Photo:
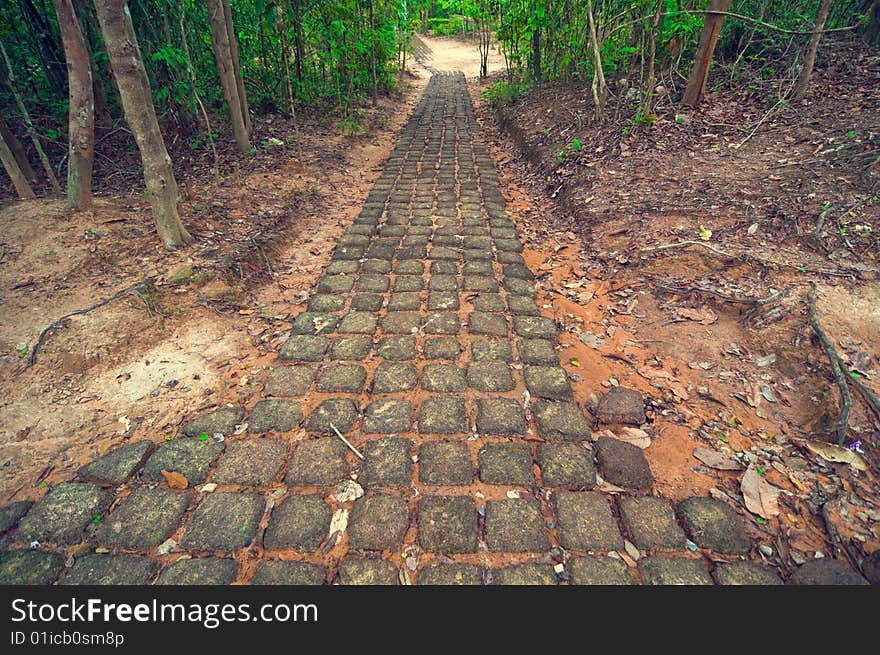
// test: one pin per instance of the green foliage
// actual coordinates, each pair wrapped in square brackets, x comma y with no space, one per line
[564,153]
[504,92]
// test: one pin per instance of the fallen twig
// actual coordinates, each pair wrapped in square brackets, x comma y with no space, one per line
[834,359]
[734,299]
[680,244]
[346,442]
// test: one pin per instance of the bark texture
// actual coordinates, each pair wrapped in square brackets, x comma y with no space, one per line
[800,89]
[696,86]
[226,70]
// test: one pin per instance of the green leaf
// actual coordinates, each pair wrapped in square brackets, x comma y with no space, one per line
[23,352]
[204,436]
[760,521]
[759,470]
[96,518]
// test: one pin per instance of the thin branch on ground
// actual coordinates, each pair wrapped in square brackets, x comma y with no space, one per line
[773,297]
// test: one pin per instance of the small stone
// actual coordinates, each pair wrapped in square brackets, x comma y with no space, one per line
[274,414]
[621,405]
[766,550]
[623,464]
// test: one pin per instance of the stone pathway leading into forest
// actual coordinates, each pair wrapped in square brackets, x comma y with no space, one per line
[424,348]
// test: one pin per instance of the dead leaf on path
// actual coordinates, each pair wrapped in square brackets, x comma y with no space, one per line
[716,460]
[703,315]
[761,497]
[175,480]
[245,312]
[834,453]
[590,339]
[634,436]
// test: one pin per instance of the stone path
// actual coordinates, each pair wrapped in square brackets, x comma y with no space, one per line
[424,347]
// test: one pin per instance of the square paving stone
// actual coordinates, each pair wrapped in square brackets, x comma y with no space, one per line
[442,323]
[367,302]
[388,415]
[442,300]
[537,351]
[378,522]
[368,572]
[376,266]
[283,572]
[318,461]
[550,382]
[489,302]
[348,252]
[408,283]
[251,462]
[117,466]
[304,348]
[447,524]
[517,270]
[478,268]
[442,348]
[586,522]
[351,348]
[341,412]
[515,525]
[494,349]
[401,323]
[392,231]
[404,300]
[381,250]
[145,519]
[190,457]
[512,245]
[658,570]
[443,283]
[651,523]
[517,287]
[289,381]
[342,378]
[559,421]
[523,305]
[825,571]
[566,465]
[212,571]
[298,523]
[623,464]
[222,421]
[387,461]
[444,252]
[397,348]
[500,416]
[480,283]
[412,252]
[483,323]
[391,377]
[409,267]
[451,575]
[714,524]
[98,569]
[444,268]
[12,513]
[506,463]
[335,283]
[29,567]
[224,521]
[313,323]
[274,414]
[490,375]
[446,378]
[358,323]
[534,327]
[445,463]
[476,254]
[507,257]
[443,415]
[598,570]
[524,574]
[744,573]
[621,405]
[372,283]
[62,515]
[341,267]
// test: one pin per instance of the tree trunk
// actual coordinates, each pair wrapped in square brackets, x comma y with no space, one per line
[696,86]
[32,132]
[223,57]
[600,89]
[297,40]
[22,188]
[800,89]
[18,151]
[872,31]
[536,55]
[81,113]
[137,105]
[236,66]
[90,30]
[651,75]
[192,78]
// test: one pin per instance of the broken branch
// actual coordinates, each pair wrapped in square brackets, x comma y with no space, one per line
[346,442]
[834,359]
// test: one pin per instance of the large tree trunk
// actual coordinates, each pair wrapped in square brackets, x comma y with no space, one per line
[18,150]
[81,113]
[137,105]
[696,86]
[22,188]
[800,89]
[236,66]
[223,57]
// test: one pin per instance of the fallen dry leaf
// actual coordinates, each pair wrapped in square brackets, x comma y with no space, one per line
[715,460]
[834,453]
[703,315]
[175,480]
[633,436]
[761,497]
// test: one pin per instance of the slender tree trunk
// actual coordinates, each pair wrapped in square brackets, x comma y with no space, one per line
[651,75]
[223,57]
[600,89]
[236,66]
[22,187]
[800,89]
[87,21]
[81,113]
[32,132]
[195,90]
[536,55]
[18,151]
[872,31]
[696,86]
[373,75]
[297,40]
[137,105]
